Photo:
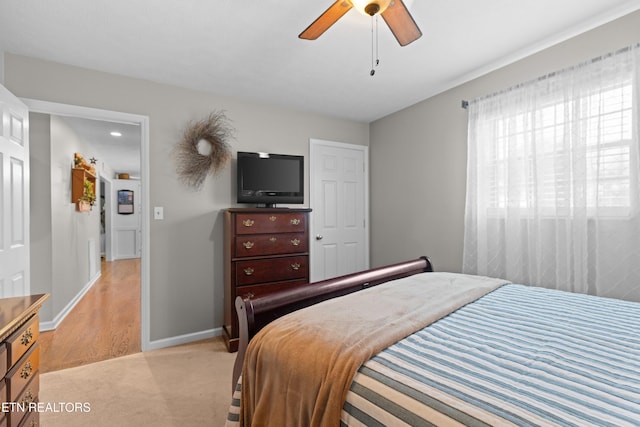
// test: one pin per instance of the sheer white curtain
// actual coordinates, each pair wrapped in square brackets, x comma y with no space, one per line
[553,187]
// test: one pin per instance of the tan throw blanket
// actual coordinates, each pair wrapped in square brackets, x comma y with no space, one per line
[299,368]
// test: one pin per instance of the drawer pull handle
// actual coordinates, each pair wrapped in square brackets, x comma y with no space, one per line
[26,371]
[28,397]
[272,218]
[248,245]
[295,221]
[248,222]
[295,242]
[27,337]
[295,266]
[248,271]
[273,239]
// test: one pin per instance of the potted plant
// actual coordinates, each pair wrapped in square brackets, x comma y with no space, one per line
[88,198]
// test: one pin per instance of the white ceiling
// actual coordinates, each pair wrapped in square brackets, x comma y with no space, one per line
[250,48]
[121,153]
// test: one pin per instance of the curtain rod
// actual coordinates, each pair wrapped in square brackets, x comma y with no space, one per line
[465,103]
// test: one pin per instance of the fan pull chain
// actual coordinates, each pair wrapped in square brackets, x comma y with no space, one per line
[377,32]
[374,45]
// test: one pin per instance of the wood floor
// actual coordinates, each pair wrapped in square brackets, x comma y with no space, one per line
[103,325]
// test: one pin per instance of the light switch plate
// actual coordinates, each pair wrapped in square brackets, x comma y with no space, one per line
[158,212]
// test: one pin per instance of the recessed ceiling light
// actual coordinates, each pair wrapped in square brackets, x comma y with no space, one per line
[114,133]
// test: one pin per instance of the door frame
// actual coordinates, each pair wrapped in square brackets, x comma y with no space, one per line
[108,231]
[313,143]
[59,109]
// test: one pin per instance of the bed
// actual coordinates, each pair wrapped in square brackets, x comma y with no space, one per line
[403,345]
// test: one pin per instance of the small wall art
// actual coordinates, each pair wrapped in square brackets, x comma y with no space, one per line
[125,202]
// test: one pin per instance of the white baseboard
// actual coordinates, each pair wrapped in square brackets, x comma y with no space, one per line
[53,324]
[183,339]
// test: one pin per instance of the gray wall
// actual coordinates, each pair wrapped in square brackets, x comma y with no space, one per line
[60,236]
[40,200]
[418,155]
[186,247]
[71,231]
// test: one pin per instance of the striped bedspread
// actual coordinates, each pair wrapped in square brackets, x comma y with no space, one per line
[518,356]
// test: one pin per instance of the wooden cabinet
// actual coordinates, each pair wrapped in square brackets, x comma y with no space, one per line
[78,176]
[265,250]
[19,358]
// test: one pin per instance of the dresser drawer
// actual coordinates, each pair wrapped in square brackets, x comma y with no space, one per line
[28,395]
[22,339]
[271,244]
[20,375]
[3,393]
[31,420]
[271,270]
[3,360]
[276,222]
[30,392]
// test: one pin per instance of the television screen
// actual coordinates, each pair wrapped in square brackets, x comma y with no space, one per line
[268,179]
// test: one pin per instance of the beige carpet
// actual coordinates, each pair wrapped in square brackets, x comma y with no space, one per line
[188,385]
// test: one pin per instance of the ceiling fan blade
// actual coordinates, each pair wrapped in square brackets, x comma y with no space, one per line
[327,19]
[401,23]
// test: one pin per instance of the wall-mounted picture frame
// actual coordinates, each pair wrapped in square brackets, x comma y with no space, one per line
[125,202]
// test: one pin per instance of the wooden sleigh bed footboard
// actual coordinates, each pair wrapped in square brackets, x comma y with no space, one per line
[256,312]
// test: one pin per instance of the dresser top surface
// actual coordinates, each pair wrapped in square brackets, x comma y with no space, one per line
[14,310]
[268,210]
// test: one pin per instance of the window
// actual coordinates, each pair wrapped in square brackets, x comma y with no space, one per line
[590,135]
[553,194]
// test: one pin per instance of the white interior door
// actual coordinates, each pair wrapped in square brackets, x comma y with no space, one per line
[14,196]
[339,199]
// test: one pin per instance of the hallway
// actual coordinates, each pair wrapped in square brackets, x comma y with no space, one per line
[103,325]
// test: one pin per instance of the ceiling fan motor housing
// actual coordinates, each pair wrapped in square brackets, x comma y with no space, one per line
[372,8]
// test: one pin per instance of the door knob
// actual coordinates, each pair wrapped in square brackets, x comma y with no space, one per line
[318,236]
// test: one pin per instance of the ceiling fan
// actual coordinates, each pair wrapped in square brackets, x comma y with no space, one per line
[394,13]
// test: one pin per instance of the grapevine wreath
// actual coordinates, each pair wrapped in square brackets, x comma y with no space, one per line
[204,149]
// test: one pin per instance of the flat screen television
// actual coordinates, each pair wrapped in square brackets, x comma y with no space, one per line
[269,179]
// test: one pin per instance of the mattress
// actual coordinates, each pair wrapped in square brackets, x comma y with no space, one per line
[518,356]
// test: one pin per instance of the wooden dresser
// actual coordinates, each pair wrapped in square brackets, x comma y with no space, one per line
[265,250]
[19,358]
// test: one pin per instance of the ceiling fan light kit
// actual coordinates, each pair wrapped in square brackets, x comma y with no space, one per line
[368,7]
